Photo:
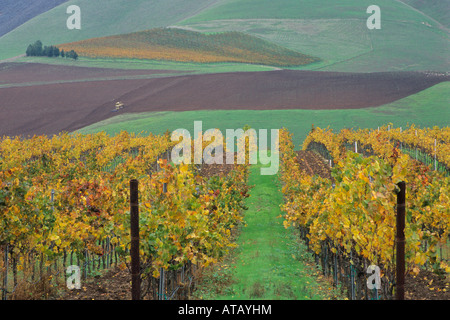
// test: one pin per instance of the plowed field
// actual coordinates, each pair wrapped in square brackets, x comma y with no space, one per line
[73,97]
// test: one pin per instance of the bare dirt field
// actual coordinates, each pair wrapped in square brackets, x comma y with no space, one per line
[68,106]
[22,73]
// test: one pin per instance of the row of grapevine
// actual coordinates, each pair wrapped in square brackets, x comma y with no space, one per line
[353,216]
[70,193]
[432,142]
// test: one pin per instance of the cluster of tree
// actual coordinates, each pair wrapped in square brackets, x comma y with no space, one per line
[38,50]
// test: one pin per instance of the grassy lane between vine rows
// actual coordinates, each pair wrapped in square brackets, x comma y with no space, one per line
[270,262]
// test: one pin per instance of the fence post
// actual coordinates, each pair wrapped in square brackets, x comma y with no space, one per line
[5,279]
[435,151]
[161,284]
[400,242]
[134,232]
[161,290]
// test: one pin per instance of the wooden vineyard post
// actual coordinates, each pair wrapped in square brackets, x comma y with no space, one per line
[400,242]
[5,278]
[134,232]
[162,288]
[435,151]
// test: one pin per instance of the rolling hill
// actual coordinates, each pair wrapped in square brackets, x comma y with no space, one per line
[439,10]
[175,44]
[98,19]
[337,33]
[409,40]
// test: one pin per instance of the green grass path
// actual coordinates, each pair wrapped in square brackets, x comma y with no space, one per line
[270,263]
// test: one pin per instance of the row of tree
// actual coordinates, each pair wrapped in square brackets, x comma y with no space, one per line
[38,50]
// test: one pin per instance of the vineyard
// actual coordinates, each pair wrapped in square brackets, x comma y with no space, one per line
[347,214]
[188,46]
[66,201]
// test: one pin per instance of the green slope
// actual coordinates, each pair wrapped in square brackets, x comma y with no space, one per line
[304,9]
[98,19]
[426,109]
[439,10]
[337,32]
[334,31]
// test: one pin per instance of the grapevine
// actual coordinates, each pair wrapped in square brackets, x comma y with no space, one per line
[71,192]
[356,214]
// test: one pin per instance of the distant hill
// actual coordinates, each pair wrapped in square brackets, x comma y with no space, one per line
[188,46]
[305,9]
[13,13]
[436,9]
[98,19]
[336,31]
[412,37]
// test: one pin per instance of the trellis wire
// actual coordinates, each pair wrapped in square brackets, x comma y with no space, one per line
[347,271]
[89,264]
[108,257]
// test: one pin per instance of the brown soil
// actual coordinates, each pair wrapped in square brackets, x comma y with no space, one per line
[116,285]
[28,73]
[68,106]
[210,170]
[113,285]
[427,286]
[313,163]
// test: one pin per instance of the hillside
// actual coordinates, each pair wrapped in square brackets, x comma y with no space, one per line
[305,9]
[188,46]
[439,10]
[13,13]
[408,40]
[98,19]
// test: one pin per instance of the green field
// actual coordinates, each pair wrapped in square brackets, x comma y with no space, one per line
[189,67]
[439,10]
[425,109]
[305,9]
[334,32]
[408,40]
[98,19]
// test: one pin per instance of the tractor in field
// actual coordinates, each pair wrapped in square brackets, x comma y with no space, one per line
[119,105]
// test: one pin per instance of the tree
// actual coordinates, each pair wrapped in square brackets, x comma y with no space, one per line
[56,52]
[72,54]
[37,48]
[48,51]
[30,51]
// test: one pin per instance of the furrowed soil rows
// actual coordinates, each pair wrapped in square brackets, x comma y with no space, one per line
[313,163]
[22,73]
